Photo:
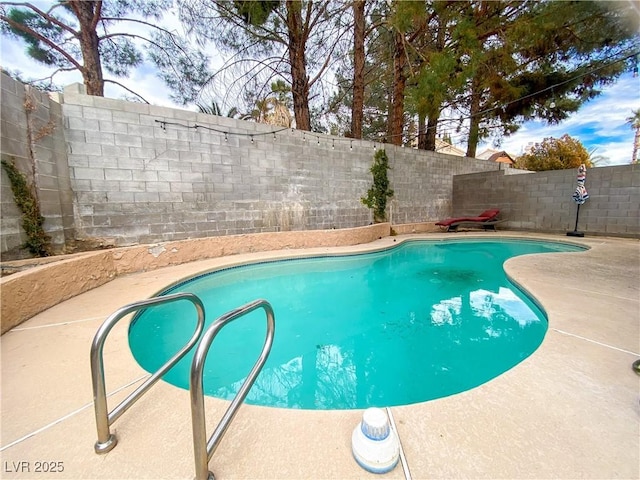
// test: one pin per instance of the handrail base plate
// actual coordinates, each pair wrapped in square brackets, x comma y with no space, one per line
[210,476]
[104,447]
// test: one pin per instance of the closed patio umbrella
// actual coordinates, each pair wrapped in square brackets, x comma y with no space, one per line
[579,196]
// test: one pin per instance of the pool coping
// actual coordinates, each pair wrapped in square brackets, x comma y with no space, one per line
[569,410]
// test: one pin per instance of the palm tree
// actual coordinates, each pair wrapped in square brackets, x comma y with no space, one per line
[274,109]
[272,112]
[634,121]
[597,160]
[214,109]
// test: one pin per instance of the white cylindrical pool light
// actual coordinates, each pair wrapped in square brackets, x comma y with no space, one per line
[374,445]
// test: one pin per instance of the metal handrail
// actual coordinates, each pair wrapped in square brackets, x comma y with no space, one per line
[104,418]
[203,449]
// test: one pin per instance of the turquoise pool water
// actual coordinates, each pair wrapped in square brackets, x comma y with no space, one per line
[419,321]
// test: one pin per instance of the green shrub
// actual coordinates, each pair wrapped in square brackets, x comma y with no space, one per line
[37,240]
[377,195]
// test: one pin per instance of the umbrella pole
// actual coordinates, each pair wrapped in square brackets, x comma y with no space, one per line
[575,232]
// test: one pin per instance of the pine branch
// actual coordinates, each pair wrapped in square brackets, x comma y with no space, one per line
[50,77]
[54,46]
[128,90]
[45,15]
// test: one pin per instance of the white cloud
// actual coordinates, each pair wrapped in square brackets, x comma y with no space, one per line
[600,124]
[616,153]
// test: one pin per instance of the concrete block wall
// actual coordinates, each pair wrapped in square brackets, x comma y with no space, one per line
[135,173]
[15,147]
[32,136]
[143,174]
[542,201]
[422,183]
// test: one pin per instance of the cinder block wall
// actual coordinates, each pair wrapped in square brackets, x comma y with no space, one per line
[32,136]
[136,173]
[423,182]
[143,174]
[542,201]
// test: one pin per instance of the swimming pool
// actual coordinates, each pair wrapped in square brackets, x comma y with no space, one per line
[422,320]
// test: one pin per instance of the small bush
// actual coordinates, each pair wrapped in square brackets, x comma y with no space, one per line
[377,195]
[37,240]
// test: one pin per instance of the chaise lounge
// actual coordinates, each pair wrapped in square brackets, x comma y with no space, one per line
[486,220]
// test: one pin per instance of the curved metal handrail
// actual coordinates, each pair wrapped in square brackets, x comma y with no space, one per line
[104,418]
[203,449]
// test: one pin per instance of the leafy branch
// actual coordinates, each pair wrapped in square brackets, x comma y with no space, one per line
[379,192]
[37,240]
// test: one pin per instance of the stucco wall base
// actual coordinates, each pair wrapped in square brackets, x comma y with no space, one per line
[30,292]
[406,228]
[27,293]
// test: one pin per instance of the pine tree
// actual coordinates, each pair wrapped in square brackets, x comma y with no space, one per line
[80,35]
[293,40]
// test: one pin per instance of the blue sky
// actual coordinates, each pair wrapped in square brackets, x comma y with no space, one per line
[600,124]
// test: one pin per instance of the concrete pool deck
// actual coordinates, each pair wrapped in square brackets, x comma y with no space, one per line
[570,410]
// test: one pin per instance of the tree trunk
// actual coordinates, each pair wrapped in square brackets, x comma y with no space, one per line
[358,68]
[474,121]
[636,146]
[434,109]
[422,131]
[299,80]
[396,120]
[432,124]
[88,12]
